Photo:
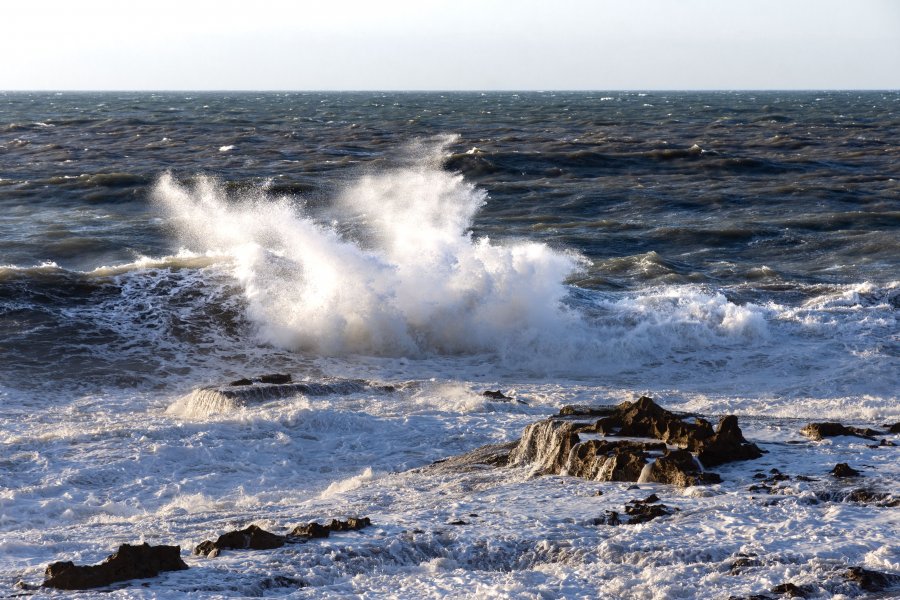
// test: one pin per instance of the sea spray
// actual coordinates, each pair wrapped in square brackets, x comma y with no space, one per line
[410,279]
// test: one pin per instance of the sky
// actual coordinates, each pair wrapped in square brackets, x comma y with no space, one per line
[449,44]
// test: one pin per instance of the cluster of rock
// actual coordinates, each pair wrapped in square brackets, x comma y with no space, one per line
[256,538]
[129,562]
[143,561]
[679,450]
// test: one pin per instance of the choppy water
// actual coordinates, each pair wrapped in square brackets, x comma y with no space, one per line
[731,252]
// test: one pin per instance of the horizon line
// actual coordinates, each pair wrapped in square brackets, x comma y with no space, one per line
[434,90]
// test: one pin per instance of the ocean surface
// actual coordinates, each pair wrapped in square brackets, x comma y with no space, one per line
[726,253]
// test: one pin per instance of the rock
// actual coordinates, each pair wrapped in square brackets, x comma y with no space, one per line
[726,445]
[251,538]
[678,467]
[743,562]
[605,460]
[275,378]
[790,590]
[546,445]
[895,428]
[129,562]
[819,431]
[641,512]
[315,530]
[871,581]
[492,455]
[861,496]
[205,548]
[351,524]
[311,530]
[581,410]
[645,418]
[241,382]
[884,443]
[498,395]
[844,470]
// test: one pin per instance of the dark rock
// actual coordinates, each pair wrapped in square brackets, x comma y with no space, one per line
[276,378]
[883,443]
[251,538]
[861,496]
[844,470]
[790,590]
[281,581]
[743,562]
[895,428]
[726,445]
[645,418]
[240,382]
[610,517]
[311,530]
[351,524]
[871,581]
[641,513]
[580,410]
[129,562]
[205,548]
[678,467]
[818,431]
[458,522]
[605,460]
[498,395]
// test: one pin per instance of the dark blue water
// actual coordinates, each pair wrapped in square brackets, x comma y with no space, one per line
[764,198]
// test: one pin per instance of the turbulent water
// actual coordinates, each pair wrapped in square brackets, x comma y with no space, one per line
[725,252]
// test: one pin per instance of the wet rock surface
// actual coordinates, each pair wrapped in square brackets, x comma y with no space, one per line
[128,562]
[575,444]
[819,431]
[635,512]
[844,470]
[255,538]
[872,581]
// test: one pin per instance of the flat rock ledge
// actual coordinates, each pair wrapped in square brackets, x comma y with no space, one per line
[670,448]
[128,562]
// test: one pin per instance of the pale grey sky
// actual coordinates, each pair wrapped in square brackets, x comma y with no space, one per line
[449,44]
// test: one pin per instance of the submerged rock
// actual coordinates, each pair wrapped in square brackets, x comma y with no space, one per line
[895,428]
[498,395]
[819,431]
[790,590]
[128,562]
[844,470]
[872,581]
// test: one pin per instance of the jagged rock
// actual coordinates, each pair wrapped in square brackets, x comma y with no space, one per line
[790,590]
[744,561]
[128,562]
[872,581]
[251,538]
[315,530]
[645,418]
[605,460]
[844,470]
[351,524]
[311,530]
[726,445]
[818,431]
[645,510]
[678,467]
[581,410]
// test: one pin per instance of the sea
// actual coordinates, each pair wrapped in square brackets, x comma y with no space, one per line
[721,252]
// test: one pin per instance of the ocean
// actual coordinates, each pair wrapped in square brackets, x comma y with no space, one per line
[722,252]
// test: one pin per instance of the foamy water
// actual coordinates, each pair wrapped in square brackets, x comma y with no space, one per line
[417,278]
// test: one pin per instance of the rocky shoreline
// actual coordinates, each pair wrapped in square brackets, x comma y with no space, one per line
[636,442]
